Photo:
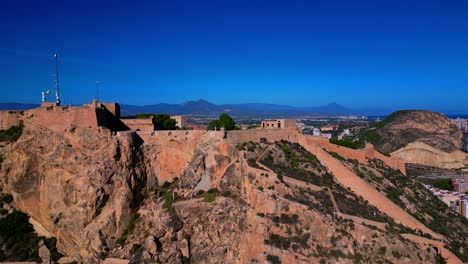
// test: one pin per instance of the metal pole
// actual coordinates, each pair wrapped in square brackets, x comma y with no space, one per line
[57,92]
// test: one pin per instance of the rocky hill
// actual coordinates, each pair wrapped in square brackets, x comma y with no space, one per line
[196,197]
[421,137]
[404,127]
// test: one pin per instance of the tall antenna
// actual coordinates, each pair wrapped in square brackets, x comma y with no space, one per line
[97,91]
[57,91]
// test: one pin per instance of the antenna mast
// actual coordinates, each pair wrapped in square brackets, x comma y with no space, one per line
[57,91]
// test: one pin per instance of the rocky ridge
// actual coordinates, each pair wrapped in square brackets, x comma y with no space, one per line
[421,137]
[192,196]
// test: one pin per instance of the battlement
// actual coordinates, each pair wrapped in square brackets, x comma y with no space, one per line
[61,118]
[262,135]
[139,124]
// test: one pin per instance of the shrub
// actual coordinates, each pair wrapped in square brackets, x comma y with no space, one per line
[168,197]
[286,219]
[135,248]
[337,156]
[209,197]
[7,198]
[164,122]
[445,184]
[278,241]
[396,254]
[12,134]
[213,191]
[131,225]
[240,147]
[273,259]
[382,250]
[20,240]
[225,121]
[51,244]
[347,143]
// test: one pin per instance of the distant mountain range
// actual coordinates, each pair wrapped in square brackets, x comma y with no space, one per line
[203,108]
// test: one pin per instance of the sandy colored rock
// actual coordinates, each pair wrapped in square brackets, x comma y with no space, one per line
[421,153]
[130,197]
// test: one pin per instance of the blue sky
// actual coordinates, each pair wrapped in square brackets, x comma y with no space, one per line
[380,53]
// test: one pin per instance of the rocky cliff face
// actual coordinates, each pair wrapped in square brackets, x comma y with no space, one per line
[192,197]
[79,186]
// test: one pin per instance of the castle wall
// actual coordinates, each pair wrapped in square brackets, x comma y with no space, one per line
[10,118]
[113,108]
[59,118]
[139,124]
[161,136]
[358,154]
[289,123]
[257,135]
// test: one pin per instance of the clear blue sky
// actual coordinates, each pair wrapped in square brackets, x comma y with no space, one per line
[377,53]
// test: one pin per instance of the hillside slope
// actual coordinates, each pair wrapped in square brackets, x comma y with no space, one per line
[193,197]
[422,137]
[403,127]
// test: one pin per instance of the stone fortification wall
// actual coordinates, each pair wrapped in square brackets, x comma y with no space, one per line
[113,108]
[59,118]
[56,118]
[141,124]
[162,136]
[272,135]
[360,155]
[10,118]
[257,135]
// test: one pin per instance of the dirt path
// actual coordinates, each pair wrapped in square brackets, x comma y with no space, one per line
[185,202]
[335,206]
[302,184]
[361,220]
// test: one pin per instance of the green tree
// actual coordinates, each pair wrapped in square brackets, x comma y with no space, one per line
[225,121]
[164,122]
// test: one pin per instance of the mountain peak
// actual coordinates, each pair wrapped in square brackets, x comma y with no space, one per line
[197,102]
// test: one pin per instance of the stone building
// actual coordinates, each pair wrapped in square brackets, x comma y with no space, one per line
[278,123]
[139,124]
[181,121]
[61,118]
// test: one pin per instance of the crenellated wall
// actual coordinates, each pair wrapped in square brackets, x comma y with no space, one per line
[139,124]
[61,118]
[56,118]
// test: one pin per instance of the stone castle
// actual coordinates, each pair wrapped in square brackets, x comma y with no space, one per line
[106,116]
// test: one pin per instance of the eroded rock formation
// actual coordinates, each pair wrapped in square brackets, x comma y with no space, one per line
[195,196]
